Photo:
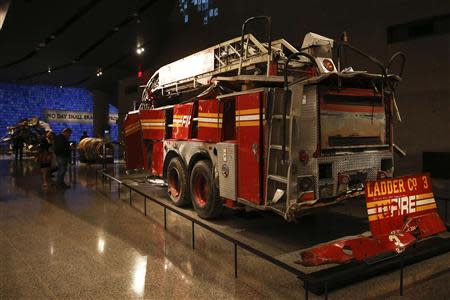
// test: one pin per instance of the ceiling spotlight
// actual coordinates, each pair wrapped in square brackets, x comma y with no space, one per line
[140,50]
[138,19]
[49,69]
[99,72]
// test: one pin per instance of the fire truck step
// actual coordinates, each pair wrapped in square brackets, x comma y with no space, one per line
[278,178]
[279,147]
[280,117]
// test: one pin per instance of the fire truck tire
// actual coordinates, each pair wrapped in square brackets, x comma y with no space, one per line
[204,194]
[177,180]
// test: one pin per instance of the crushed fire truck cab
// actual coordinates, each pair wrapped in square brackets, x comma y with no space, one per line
[264,125]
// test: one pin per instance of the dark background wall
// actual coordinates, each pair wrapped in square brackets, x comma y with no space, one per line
[423,96]
[101,112]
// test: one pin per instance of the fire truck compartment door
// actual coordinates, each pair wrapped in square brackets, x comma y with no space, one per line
[249,137]
[134,146]
[226,159]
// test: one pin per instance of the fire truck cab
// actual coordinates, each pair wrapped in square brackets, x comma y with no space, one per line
[264,125]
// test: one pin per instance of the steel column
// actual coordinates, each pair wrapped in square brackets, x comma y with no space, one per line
[193,235]
[165,218]
[401,277]
[305,283]
[235,261]
[145,205]
[130,197]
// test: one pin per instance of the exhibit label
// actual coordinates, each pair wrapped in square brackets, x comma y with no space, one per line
[390,200]
[68,116]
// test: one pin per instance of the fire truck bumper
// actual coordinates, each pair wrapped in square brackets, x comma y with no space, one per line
[298,208]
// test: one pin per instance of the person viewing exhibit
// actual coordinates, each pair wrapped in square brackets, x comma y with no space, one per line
[44,157]
[85,135]
[18,145]
[63,152]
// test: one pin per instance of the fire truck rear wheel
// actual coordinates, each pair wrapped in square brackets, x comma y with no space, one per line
[205,198]
[177,181]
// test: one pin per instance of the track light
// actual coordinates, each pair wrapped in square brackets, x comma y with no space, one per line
[136,16]
[140,50]
[99,72]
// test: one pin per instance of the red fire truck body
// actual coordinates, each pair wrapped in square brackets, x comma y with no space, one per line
[220,140]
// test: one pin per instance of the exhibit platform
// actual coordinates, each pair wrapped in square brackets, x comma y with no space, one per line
[269,236]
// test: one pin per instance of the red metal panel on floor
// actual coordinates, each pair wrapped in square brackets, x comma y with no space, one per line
[209,120]
[182,125]
[134,146]
[248,137]
[153,123]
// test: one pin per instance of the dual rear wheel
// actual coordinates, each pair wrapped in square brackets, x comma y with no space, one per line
[198,188]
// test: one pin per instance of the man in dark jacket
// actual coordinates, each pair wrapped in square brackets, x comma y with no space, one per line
[18,147]
[62,150]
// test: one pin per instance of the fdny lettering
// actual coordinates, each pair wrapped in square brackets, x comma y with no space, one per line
[392,207]
[384,188]
[185,121]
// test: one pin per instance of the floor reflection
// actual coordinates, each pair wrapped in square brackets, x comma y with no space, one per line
[101,245]
[139,273]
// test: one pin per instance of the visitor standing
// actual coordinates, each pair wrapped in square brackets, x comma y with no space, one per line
[62,151]
[18,147]
[51,140]
[44,157]
[85,135]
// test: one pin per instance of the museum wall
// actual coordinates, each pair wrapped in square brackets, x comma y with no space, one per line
[27,101]
[423,96]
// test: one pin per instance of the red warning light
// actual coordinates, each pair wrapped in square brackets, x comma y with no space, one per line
[139,74]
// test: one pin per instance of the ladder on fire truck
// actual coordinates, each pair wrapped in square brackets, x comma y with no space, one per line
[222,59]
[278,171]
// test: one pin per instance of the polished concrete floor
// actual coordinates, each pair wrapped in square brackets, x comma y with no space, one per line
[85,243]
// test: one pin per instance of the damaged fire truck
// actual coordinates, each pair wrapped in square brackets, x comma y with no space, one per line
[246,123]
[267,126]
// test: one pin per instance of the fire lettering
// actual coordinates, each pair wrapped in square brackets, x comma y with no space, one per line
[402,206]
[412,204]
[394,207]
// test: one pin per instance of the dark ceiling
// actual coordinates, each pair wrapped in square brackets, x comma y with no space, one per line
[106,31]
